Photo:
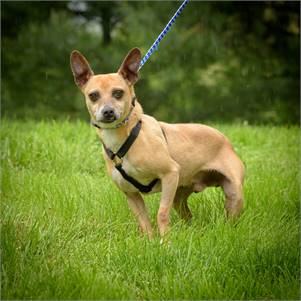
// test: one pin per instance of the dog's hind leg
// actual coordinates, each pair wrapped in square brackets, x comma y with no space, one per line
[180,203]
[232,170]
[234,197]
[136,203]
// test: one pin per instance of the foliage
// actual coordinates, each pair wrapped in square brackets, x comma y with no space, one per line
[67,232]
[229,61]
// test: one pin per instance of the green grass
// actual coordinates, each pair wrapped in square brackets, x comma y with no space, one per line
[67,232]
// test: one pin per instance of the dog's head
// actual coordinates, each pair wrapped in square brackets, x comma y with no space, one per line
[108,96]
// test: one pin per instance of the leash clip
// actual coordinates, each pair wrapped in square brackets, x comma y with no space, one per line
[117,160]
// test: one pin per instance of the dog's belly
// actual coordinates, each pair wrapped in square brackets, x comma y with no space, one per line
[135,172]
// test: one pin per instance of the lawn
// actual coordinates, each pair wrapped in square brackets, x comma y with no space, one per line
[67,232]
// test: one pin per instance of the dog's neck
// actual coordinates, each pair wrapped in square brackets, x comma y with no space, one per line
[113,138]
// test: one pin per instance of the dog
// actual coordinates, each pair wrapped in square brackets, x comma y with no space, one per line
[144,155]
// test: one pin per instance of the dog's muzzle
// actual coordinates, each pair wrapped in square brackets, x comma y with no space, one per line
[107,114]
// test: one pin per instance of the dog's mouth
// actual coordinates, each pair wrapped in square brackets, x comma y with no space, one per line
[108,119]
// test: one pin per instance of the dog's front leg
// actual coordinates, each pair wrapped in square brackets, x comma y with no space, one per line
[139,210]
[169,187]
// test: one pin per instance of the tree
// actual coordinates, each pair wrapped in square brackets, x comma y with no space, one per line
[106,13]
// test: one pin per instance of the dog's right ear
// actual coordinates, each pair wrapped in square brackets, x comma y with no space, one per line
[80,68]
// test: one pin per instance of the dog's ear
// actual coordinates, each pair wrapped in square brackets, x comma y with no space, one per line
[129,67]
[80,68]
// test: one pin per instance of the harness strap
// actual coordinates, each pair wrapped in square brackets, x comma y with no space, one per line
[139,186]
[122,152]
[163,132]
[127,143]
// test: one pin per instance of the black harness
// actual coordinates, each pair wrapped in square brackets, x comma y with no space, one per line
[117,158]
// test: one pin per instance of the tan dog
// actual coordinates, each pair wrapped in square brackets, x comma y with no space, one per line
[185,158]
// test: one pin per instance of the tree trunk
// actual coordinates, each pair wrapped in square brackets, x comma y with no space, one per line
[106,16]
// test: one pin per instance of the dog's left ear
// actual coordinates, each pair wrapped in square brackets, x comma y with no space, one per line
[129,67]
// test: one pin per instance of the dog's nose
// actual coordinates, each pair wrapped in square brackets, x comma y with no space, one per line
[108,112]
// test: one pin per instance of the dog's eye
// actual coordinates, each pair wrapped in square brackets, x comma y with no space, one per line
[118,94]
[94,96]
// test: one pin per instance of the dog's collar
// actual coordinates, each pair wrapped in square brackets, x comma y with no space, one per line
[124,121]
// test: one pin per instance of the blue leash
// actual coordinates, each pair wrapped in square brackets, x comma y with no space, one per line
[162,34]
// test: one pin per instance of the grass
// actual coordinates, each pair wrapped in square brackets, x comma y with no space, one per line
[67,232]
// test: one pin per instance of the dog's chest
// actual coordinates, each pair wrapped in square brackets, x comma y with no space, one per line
[130,165]
[111,141]
[134,171]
